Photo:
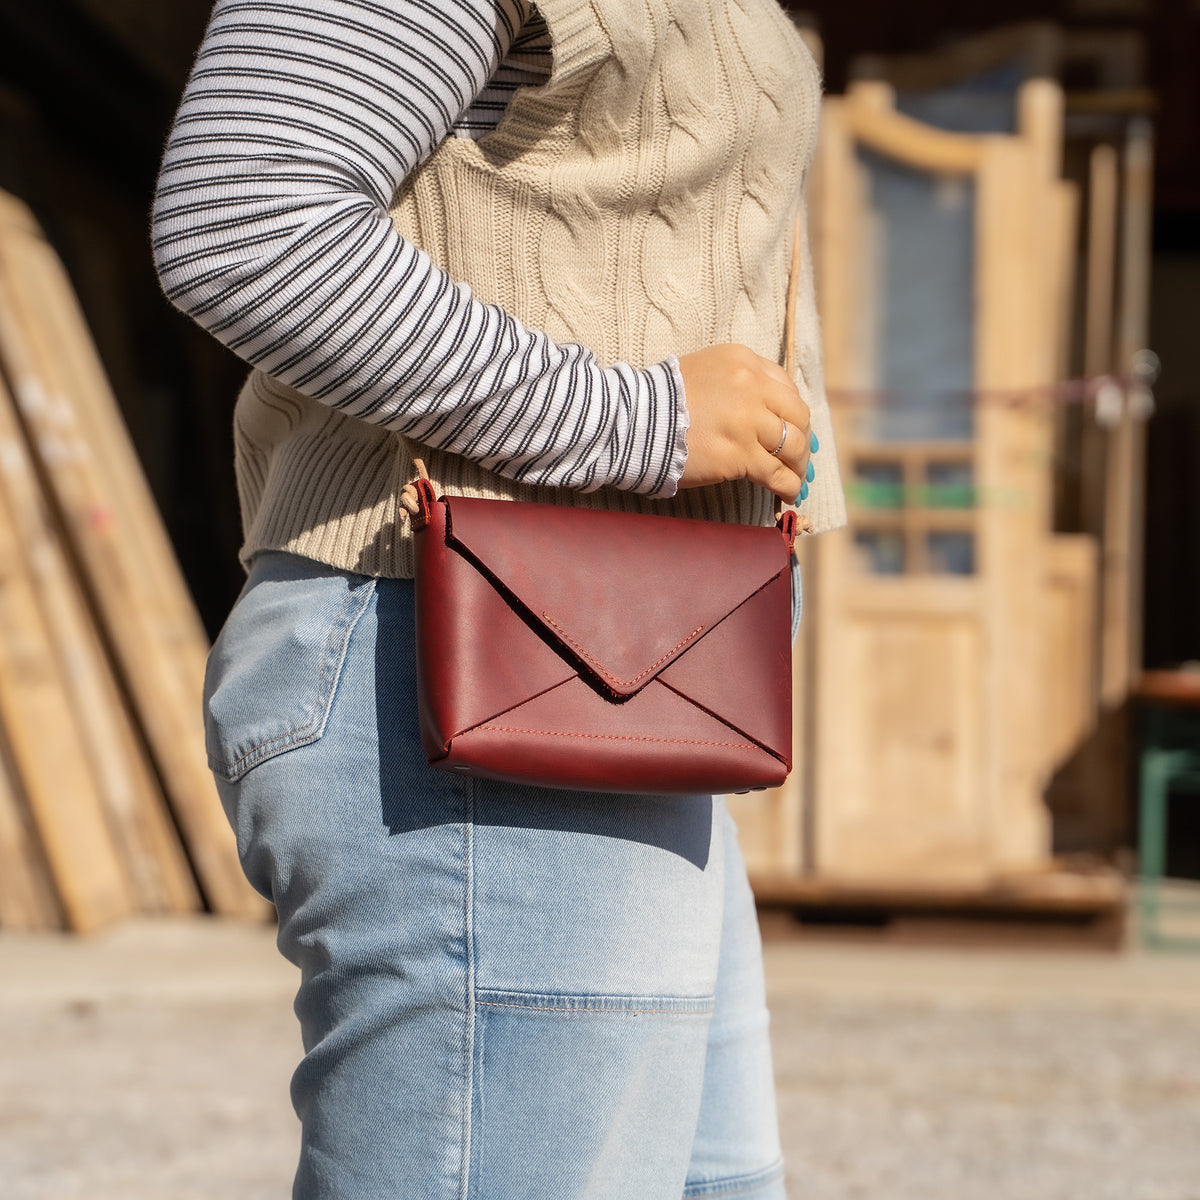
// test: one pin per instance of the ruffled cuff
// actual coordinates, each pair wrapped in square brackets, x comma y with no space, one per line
[668,447]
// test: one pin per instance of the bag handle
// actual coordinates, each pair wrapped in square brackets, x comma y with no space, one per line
[416,499]
[789,345]
[789,312]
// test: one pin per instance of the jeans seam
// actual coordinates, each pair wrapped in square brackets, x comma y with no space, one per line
[468,1097]
[598,1003]
[597,1012]
[736,1185]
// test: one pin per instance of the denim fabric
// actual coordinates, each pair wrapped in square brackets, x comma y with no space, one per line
[506,992]
[797,596]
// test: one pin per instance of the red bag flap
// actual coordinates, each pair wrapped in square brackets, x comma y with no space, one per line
[656,584]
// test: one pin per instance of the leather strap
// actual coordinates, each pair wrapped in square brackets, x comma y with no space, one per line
[789,313]
[789,316]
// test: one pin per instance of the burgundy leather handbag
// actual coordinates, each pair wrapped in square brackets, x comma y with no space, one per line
[607,651]
[574,648]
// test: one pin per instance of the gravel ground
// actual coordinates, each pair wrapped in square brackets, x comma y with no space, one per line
[937,1100]
[153,1062]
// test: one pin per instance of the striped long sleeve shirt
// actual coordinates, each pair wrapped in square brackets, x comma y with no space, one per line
[270,227]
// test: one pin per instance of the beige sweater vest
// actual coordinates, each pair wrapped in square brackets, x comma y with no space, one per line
[641,204]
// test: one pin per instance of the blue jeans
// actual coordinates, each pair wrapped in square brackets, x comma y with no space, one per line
[506,992]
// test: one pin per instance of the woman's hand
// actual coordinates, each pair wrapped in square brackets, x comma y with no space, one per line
[738,403]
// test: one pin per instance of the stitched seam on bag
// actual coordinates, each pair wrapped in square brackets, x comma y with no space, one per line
[618,737]
[766,749]
[504,712]
[566,637]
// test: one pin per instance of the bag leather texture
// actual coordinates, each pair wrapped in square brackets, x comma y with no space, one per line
[605,651]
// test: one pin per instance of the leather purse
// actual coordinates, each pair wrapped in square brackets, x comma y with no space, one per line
[606,651]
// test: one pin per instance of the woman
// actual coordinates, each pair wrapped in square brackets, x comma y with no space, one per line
[549,245]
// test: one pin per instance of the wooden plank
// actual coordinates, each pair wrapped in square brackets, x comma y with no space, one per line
[1061,908]
[133,803]
[1012,341]
[925,451]
[933,597]
[1066,417]
[1125,496]
[27,900]
[49,758]
[1097,335]
[1066,222]
[915,144]
[845,300]
[1068,660]
[1040,128]
[104,542]
[916,522]
[1101,260]
[1052,890]
[47,292]
[1040,125]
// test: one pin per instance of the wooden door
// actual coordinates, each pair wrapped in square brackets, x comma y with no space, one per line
[928,717]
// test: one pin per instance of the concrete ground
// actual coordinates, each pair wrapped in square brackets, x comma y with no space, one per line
[153,1061]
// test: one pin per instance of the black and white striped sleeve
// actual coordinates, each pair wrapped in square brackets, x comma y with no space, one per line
[270,228]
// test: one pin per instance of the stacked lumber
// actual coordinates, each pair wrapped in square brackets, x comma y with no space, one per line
[107,807]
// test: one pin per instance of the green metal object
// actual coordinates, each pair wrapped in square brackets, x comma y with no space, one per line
[1170,760]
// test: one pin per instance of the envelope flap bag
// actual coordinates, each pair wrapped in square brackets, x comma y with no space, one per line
[603,651]
[653,586]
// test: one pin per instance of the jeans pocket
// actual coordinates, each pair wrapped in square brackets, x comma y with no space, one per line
[274,668]
[585,1096]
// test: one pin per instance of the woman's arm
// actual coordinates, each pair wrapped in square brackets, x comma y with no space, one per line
[300,120]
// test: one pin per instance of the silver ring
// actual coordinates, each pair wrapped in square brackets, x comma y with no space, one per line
[782,439]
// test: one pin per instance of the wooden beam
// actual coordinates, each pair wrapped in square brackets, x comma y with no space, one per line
[47,752]
[109,541]
[27,898]
[1125,493]
[911,142]
[133,803]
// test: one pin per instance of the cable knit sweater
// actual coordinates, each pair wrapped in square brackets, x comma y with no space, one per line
[519,310]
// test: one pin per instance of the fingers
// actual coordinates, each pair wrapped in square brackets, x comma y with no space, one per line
[776,476]
[747,420]
[794,454]
[781,396]
[791,446]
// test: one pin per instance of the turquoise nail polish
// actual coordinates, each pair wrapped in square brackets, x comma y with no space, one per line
[813,444]
[811,474]
[803,492]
